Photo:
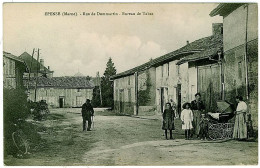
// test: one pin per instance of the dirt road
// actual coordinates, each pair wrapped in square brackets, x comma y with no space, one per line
[123,140]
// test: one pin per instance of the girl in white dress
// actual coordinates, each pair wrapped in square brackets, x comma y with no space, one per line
[186,118]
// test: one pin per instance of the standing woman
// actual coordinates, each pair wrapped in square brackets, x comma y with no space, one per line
[168,120]
[240,127]
[197,107]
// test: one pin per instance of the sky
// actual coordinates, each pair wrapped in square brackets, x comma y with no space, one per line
[71,44]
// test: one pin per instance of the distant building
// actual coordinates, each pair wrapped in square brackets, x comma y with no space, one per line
[240,39]
[62,91]
[35,66]
[13,70]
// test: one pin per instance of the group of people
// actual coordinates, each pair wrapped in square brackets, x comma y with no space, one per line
[192,117]
[195,121]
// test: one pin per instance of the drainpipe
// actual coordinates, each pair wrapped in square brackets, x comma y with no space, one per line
[220,61]
[246,66]
[136,93]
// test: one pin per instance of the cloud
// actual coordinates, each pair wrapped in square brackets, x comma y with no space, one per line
[89,53]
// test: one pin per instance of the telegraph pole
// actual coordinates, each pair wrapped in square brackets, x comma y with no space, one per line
[37,67]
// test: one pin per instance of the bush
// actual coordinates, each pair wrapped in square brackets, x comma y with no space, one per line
[15,109]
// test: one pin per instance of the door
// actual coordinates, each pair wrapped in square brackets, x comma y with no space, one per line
[209,85]
[162,100]
[178,95]
[61,102]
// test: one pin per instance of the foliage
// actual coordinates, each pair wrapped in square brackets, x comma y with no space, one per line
[96,97]
[107,85]
[144,95]
[16,110]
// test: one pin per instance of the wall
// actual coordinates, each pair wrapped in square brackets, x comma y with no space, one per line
[236,68]
[124,94]
[72,97]
[12,73]
[167,79]
[9,73]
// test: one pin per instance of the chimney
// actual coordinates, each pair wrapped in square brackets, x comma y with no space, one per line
[48,67]
[217,29]
[188,42]
[41,64]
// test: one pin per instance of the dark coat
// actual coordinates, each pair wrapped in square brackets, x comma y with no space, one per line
[197,105]
[87,110]
[168,119]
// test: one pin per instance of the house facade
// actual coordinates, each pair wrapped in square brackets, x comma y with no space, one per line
[240,47]
[149,86]
[13,70]
[134,91]
[61,92]
[205,70]
[190,70]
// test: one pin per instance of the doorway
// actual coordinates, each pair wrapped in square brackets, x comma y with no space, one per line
[162,100]
[178,92]
[61,102]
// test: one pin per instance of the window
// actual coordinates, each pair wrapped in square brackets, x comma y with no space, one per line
[78,90]
[129,80]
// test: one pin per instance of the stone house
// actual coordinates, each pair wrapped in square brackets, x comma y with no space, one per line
[134,90]
[205,69]
[240,47]
[34,66]
[60,92]
[13,70]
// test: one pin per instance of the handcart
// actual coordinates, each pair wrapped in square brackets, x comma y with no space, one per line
[220,123]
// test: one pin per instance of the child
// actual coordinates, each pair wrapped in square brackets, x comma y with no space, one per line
[168,120]
[204,127]
[186,118]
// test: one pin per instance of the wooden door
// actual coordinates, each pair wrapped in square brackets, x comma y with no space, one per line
[209,85]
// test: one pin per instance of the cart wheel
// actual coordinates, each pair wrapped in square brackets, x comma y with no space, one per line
[20,141]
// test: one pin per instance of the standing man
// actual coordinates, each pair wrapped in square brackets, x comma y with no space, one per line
[198,108]
[87,111]
[240,127]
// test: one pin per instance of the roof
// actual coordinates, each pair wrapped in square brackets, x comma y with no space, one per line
[33,63]
[224,9]
[194,47]
[214,46]
[13,57]
[68,82]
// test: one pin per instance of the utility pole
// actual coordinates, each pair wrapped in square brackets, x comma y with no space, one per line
[37,67]
[31,66]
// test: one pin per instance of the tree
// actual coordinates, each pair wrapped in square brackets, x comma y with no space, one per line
[107,88]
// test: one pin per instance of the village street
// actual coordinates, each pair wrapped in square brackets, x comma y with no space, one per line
[124,140]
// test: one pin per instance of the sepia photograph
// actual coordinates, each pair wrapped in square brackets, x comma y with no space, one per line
[130,84]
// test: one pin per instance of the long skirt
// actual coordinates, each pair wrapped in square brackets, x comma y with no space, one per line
[196,121]
[168,124]
[240,127]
